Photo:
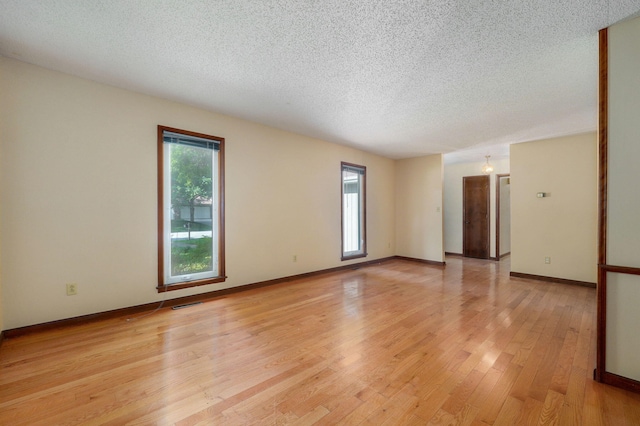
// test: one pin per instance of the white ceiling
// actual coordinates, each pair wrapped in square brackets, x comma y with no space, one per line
[400,78]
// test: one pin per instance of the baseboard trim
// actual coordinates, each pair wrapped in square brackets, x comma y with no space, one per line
[499,258]
[132,310]
[552,279]
[424,261]
[448,253]
[620,382]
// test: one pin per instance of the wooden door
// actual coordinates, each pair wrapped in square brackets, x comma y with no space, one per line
[475,214]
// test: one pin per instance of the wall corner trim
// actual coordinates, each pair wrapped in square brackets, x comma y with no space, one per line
[448,253]
[424,261]
[552,279]
[619,381]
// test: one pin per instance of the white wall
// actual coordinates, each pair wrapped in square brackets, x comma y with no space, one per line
[453,174]
[419,213]
[623,232]
[562,226]
[78,196]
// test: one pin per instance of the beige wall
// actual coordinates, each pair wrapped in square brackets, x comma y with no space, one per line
[623,232]
[2,141]
[1,309]
[78,196]
[505,216]
[453,174]
[419,213]
[624,151]
[562,226]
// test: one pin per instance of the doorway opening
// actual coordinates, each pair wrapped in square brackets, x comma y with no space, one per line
[503,215]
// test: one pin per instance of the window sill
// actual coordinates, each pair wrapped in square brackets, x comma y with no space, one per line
[189,284]
[353,256]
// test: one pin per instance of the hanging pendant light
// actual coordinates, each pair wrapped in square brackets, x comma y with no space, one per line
[487,168]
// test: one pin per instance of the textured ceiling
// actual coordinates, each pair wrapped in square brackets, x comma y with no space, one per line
[400,78]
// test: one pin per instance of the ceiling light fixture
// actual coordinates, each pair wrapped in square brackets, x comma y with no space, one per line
[487,168]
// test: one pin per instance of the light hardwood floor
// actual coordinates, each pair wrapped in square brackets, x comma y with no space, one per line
[395,343]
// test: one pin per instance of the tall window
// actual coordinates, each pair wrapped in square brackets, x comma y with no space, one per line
[190,209]
[354,235]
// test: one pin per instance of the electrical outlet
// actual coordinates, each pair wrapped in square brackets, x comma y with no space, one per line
[72,289]
[547,260]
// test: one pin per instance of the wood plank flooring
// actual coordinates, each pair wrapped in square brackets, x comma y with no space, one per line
[396,343]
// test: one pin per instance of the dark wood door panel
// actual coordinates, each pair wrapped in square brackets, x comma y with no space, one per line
[476,216]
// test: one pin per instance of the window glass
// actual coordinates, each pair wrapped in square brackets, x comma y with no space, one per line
[190,212]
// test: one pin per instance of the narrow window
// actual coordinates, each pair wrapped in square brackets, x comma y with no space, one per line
[190,209]
[354,235]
